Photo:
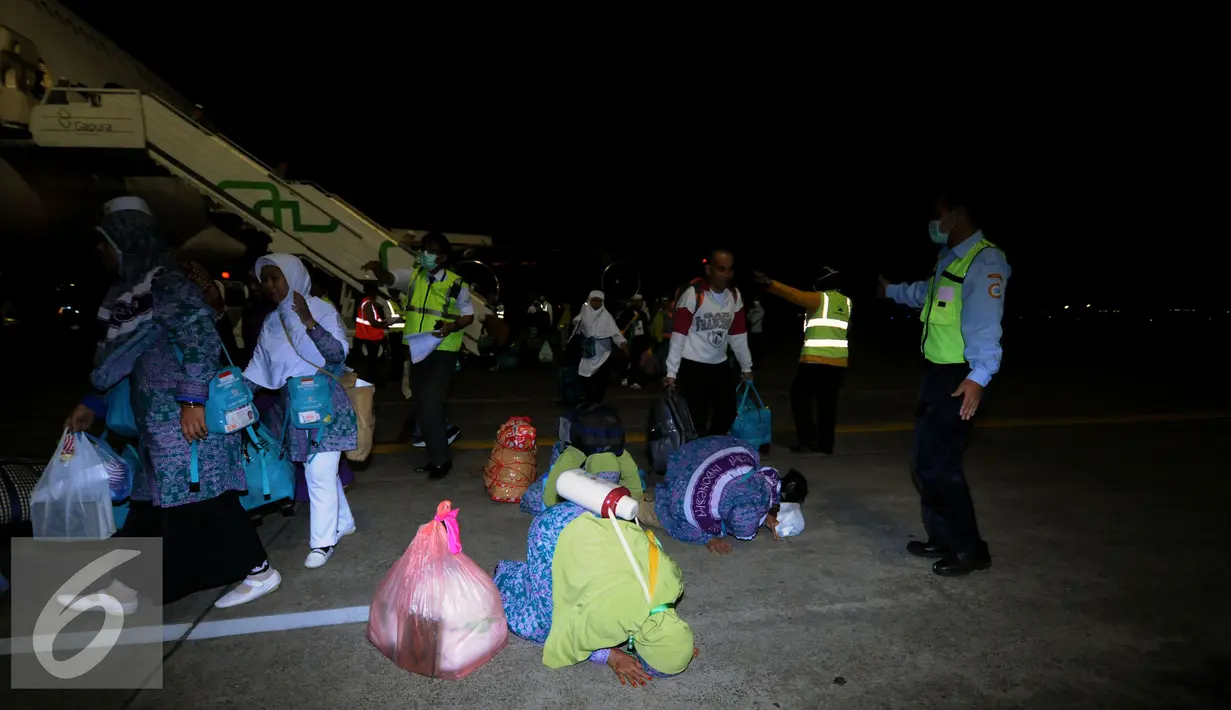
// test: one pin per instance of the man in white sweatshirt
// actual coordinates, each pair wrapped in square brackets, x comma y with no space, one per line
[708,316]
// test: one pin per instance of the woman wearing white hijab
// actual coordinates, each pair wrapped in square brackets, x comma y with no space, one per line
[303,336]
[599,331]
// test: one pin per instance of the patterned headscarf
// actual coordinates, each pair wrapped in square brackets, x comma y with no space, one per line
[195,272]
[150,296]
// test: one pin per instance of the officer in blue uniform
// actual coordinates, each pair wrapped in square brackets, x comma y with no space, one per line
[961,308]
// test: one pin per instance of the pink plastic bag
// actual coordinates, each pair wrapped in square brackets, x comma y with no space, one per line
[437,613]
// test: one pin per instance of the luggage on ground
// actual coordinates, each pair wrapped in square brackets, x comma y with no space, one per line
[513,463]
[670,427]
[18,477]
[437,613]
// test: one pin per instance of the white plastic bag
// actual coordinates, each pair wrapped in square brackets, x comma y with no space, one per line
[790,520]
[545,354]
[73,498]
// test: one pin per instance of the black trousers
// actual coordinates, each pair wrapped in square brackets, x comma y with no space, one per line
[755,345]
[429,386]
[204,545]
[370,360]
[940,442]
[814,404]
[636,348]
[594,387]
[709,392]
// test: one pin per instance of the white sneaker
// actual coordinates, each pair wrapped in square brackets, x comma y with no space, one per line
[250,589]
[635,386]
[317,558]
[349,531]
[624,382]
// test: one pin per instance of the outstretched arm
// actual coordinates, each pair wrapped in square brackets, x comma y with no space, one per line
[807,300]
[913,295]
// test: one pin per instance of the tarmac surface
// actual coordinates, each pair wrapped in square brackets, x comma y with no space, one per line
[1100,488]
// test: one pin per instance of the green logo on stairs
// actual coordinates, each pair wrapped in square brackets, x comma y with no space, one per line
[275,204]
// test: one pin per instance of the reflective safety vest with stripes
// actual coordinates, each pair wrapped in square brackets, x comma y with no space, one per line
[429,301]
[942,341]
[825,330]
[364,328]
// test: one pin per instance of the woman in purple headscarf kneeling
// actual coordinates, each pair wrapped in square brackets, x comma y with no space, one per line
[715,487]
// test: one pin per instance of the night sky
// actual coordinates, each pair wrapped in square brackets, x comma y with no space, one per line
[659,143]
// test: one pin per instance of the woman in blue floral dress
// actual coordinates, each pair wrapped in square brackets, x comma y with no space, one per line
[160,335]
[715,486]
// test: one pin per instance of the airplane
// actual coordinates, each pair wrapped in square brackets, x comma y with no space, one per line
[82,121]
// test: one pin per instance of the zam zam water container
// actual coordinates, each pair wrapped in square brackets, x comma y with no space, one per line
[595,495]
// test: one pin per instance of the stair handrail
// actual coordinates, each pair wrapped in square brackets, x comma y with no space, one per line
[283,182]
[358,212]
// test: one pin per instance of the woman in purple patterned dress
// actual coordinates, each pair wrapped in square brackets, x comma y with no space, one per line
[154,317]
[715,487]
[304,335]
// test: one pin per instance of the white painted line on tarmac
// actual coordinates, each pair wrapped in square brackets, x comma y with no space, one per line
[82,639]
[279,622]
[205,630]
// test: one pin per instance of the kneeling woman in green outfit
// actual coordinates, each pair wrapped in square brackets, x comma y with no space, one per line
[580,594]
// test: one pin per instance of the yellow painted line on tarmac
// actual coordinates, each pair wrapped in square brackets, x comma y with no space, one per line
[889,427]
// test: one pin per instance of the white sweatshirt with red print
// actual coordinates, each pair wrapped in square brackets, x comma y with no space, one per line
[702,335]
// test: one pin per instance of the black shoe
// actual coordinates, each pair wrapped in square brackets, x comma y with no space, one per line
[435,472]
[963,563]
[806,448]
[928,549]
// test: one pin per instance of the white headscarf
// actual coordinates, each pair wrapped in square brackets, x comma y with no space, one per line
[597,323]
[274,360]
[600,325]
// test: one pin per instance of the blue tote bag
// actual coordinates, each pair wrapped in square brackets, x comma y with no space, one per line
[753,421]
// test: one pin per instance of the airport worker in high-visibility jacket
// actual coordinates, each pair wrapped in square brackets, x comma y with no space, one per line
[961,306]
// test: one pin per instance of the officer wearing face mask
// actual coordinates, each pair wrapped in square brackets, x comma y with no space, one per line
[961,306]
[436,301]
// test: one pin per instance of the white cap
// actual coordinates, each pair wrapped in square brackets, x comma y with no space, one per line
[130,202]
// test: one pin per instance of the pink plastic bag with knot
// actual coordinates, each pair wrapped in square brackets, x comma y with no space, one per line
[437,613]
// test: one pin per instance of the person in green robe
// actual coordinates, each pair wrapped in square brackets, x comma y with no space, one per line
[579,595]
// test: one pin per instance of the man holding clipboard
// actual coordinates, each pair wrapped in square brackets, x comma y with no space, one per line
[435,301]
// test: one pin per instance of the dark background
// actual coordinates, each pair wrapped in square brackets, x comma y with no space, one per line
[653,142]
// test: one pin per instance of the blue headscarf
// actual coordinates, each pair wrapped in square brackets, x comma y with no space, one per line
[150,296]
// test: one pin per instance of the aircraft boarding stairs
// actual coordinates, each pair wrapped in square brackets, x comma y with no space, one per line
[300,218]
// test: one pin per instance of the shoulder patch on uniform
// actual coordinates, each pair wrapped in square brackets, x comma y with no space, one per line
[995,290]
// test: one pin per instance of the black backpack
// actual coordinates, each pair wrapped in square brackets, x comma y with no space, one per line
[669,428]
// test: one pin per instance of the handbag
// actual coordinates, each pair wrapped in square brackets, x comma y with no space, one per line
[228,406]
[310,396]
[753,423]
[120,416]
[311,399]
